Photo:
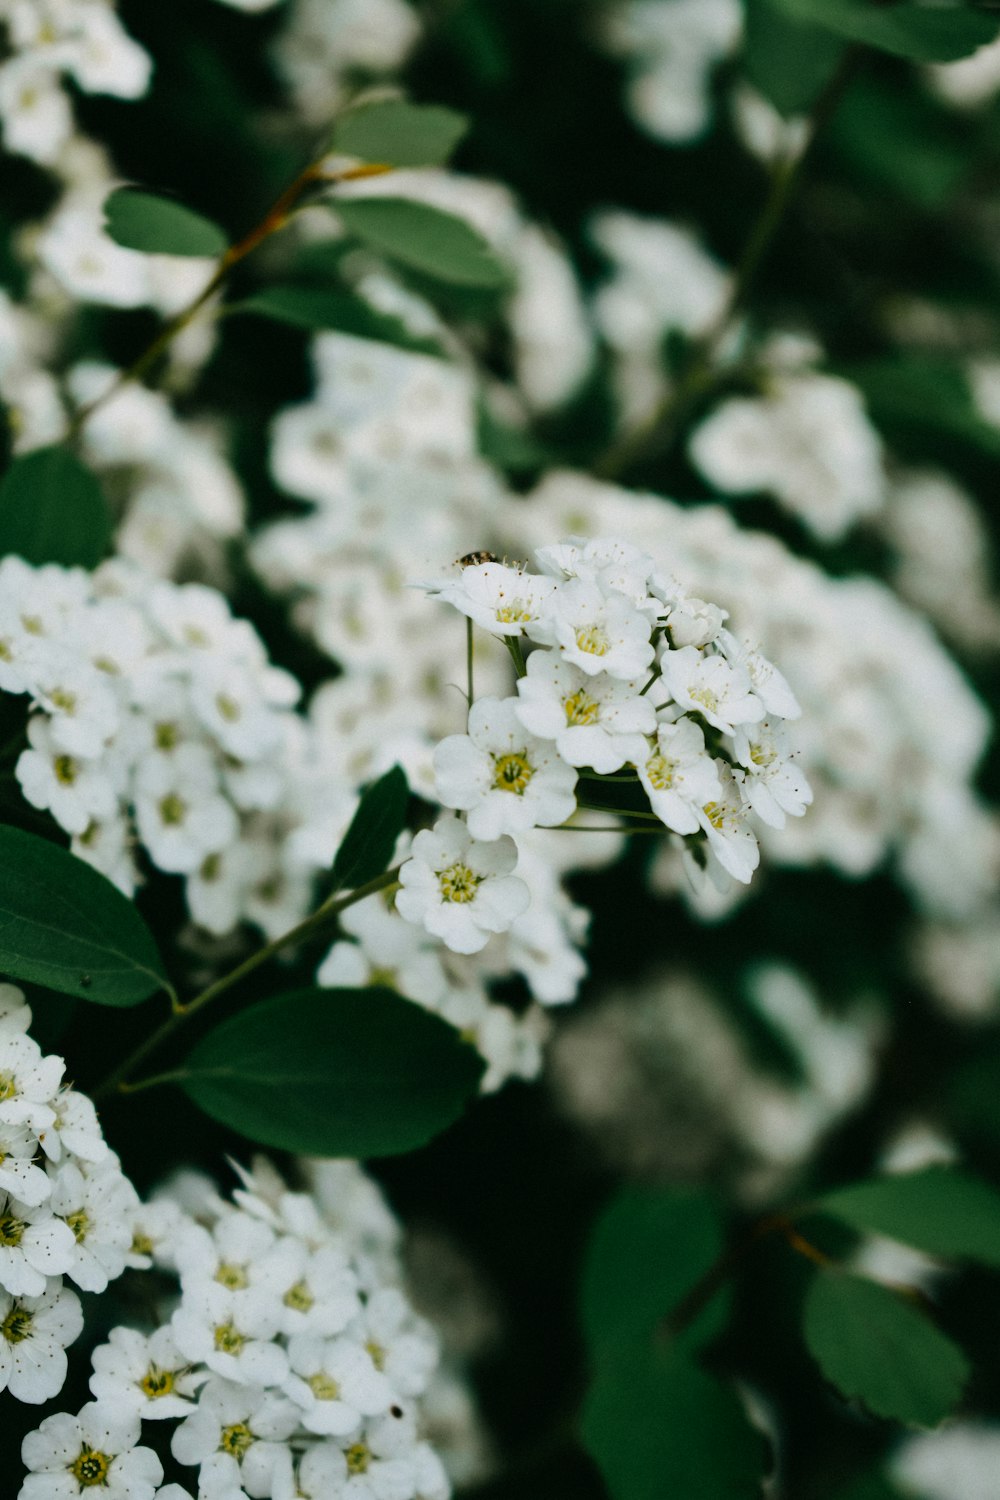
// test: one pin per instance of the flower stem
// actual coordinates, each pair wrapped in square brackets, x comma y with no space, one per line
[322,917]
[276,218]
[659,431]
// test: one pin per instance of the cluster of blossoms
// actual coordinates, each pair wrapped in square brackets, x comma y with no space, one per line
[629,674]
[52,40]
[155,714]
[291,1363]
[66,1209]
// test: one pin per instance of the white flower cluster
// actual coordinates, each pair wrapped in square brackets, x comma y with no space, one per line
[670,48]
[66,1209]
[891,732]
[327,45]
[53,40]
[634,675]
[154,714]
[292,1363]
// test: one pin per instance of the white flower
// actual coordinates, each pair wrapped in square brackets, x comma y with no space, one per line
[180,812]
[614,565]
[597,631]
[694,622]
[98,1209]
[232,1332]
[75,791]
[400,1344]
[679,776]
[29,1082]
[70,1456]
[730,838]
[335,1383]
[75,1129]
[502,599]
[388,951]
[503,777]
[767,682]
[709,686]
[773,785]
[595,722]
[459,889]
[18,1174]
[231,1254]
[237,1435]
[34,1335]
[228,700]
[84,711]
[317,1289]
[147,1374]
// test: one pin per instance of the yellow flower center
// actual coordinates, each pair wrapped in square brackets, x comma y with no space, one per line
[358,1458]
[8,1086]
[715,813]
[459,883]
[16,1326]
[660,772]
[323,1386]
[11,1230]
[513,772]
[706,697]
[65,768]
[156,1383]
[237,1440]
[581,708]
[231,1275]
[377,1354]
[173,810]
[228,1340]
[763,755]
[299,1297]
[593,639]
[165,735]
[228,708]
[514,613]
[142,1244]
[91,1468]
[79,1222]
[62,698]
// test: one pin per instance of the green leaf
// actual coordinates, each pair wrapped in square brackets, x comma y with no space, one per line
[921,33]
[64,926]
[873,1486]
[923,396]
[787,60]
[398,133]
[875,1347]
[648,1247]
[321,307]
[425,239]
[898,139]
[159,226]
[658,1426]
[52,510]
[973,1096]
[334,1073]
[940,1210]
[368,844]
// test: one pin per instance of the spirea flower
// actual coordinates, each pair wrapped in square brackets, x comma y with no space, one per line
[459,888]
[503,778]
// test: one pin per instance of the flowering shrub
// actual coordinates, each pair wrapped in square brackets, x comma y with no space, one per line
[376,735]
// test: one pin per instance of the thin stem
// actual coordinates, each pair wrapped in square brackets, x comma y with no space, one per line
[276,218]
[516,653]
[603,828]
[320,918]
[620,812]
[658,432]
[629,776]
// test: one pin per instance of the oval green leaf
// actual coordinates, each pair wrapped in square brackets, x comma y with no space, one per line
[52,510]
[921,33]
[159,226]
[64,926]
[334,1073]
[398,133]
[875,1347]
[941,1210]
[368,844]
[657,1426]
[425,239]
[648,1247]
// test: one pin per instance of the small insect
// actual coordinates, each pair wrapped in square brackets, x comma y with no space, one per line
[475,559]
